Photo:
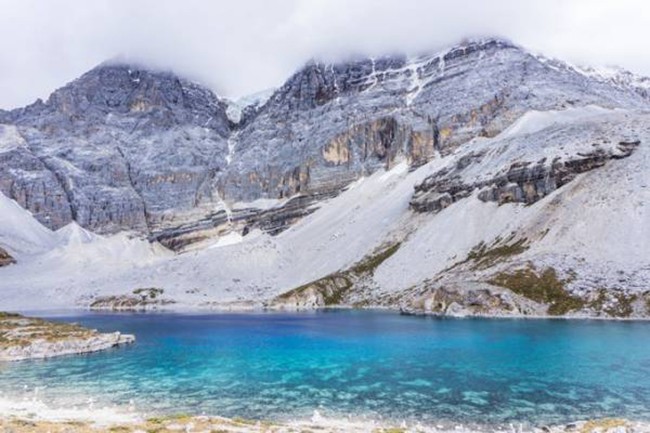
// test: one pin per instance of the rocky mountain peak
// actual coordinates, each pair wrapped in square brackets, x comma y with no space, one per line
[131,91]
[319,82]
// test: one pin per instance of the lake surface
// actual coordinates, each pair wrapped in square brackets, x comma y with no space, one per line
[358,363]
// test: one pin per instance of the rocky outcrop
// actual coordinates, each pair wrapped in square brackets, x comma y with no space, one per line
[522,182]
[328,291]
[467,301]
[526,184]
[5,258]
[273,221]
[73,346]
[28,338]
[141,299]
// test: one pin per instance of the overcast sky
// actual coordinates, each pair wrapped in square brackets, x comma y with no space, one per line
[242,46]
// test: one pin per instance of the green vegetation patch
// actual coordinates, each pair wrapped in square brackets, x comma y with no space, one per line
[484,256]
[621,307]
[369,264]
[334,287]
[543,287]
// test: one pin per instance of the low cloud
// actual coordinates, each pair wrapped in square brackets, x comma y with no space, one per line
[243,46]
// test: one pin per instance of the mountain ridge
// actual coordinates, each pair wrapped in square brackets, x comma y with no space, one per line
[340,164]
[406,108]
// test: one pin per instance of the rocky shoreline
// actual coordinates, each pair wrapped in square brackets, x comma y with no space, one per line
[19,424]
[313,304]
[24,338]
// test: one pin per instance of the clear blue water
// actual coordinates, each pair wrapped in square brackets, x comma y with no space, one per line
[275,366]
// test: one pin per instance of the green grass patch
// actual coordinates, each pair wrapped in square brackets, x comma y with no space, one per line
[484,256]
[544,287]
[332,288]
[370,263]
[622,307]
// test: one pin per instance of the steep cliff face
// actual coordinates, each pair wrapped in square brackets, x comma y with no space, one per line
[118,149]
[334,123]
[125,148]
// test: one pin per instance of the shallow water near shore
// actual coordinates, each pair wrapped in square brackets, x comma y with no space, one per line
[278,366]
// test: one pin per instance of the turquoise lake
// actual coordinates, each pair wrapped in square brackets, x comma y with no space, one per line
[360,363]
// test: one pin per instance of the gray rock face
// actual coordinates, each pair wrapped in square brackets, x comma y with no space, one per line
[527,184]
[110,150]
[352,118]
[124,148]
[521,181]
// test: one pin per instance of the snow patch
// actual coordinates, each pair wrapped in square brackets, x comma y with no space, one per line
[535,121]
[20,232]
[10,138]
[260,203]
[235,109]
[231,238]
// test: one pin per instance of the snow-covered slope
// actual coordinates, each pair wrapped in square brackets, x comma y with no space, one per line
[593,232]
[20,233]
[257,268]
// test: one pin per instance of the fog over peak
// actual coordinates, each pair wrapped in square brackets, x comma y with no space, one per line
[240,47]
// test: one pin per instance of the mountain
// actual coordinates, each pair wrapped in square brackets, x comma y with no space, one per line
[459,182]
[117,149]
